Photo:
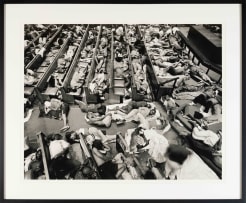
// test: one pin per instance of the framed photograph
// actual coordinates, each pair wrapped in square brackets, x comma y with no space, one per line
[123,101]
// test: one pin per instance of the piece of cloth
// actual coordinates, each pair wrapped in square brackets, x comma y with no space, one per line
[57,148]
[158,145]
[207,136]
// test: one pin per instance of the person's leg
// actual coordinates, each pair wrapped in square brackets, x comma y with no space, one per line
[131,114]
[71,166]
[82,106]
[166,129]
[143,120]
[107,120]
[97,133]
[209,104]
[206,78]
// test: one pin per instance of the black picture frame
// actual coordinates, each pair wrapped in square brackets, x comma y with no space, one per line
[243,90]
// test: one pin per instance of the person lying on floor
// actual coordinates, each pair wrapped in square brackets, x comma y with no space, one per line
[90,134]
[202,99]
[62,166]
[101,64]
[128,107]
[33,165]
[119,33]
[142,85]
[172,109]
[197,71]
[175,44]
[30,77]
[111,167]
[99,84]
[103,120]
[78,78]
[56,105]
[147,112]
[216,111]
[206,142]
[106,168]
[183,163]
[95,108]
[156,41]
[144,139]
[125,170]
[103,46]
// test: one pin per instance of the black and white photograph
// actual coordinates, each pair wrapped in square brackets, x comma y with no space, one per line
[123,101]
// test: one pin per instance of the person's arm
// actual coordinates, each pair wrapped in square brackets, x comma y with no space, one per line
[120,171]
[98,154]
[167,128]
[98,118]
[106,147]
[46,110]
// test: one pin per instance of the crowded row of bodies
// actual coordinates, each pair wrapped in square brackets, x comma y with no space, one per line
[143,152]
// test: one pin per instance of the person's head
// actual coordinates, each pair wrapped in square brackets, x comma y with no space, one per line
[148,105]
[141,128]
[83,54]
[152,112]
[38,154]
[57,137]
[167,97]
[176,156]
[98,145]
[118,159]
[60,41]
[70,136]
[47,104]
[59,95]
[209,92]
[102,110]
[90,139]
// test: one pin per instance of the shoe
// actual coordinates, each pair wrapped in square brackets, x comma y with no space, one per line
[65,128]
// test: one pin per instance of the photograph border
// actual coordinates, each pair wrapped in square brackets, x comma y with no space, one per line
[243,90]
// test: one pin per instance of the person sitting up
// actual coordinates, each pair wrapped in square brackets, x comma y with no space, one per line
[56,105]
[143,139]
[183,163]
[106,168]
